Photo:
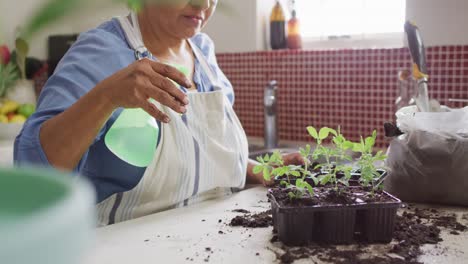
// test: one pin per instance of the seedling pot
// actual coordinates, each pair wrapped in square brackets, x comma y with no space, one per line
[336,223]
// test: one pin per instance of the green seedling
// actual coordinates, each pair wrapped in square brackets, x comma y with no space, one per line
[334,156]
[274,166]
[366,163]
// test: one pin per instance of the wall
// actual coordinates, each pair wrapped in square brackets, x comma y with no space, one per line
[234,30]
[243,28]
[441,22]
[355,89]
[81,21]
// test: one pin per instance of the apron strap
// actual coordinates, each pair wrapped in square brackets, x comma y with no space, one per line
[204,64]
[133,35]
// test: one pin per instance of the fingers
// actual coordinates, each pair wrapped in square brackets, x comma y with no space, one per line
[154,111]
[268,183]
[164,98]
[146,69]
[171,73]
[168,86]
[293,159]
[153,85]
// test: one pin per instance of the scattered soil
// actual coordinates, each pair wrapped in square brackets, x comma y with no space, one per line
[465,216]
[274,239]
[410,234]
[331,254]
[240,211]
[263,219]
[414,227]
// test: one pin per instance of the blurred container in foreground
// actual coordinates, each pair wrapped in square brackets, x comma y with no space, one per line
[45,217]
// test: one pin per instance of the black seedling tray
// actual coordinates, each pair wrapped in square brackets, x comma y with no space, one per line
[336,224]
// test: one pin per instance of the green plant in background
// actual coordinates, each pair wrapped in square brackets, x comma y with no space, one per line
[8,76]
[370,175]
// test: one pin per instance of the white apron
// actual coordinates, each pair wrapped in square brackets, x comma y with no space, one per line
[201,155]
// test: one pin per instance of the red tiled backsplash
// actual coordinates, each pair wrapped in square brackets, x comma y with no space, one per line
[355,89]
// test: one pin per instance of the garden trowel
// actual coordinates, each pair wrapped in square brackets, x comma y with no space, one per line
[418,55]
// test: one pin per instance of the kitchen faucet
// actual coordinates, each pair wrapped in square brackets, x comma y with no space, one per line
[271,109]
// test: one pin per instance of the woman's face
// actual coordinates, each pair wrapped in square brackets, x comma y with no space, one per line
[181,18]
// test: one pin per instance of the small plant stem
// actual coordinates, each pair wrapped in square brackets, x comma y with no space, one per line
[306,167]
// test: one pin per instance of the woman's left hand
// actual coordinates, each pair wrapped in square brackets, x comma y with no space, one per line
[289,159]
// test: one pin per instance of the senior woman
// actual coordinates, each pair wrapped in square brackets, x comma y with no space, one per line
[202,149]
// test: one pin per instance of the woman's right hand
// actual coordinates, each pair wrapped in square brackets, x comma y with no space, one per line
[131,87]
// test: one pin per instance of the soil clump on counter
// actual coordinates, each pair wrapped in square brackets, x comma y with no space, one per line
[414,228]
[263,219]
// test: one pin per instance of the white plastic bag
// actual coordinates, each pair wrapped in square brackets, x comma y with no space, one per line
[429,162]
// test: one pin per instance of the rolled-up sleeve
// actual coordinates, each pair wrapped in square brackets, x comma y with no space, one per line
[54,100]
[96,55]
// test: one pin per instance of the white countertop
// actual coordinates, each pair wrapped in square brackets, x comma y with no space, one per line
[179,235]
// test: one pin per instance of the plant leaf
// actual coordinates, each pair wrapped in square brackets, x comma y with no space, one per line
[134,5]
[316,181]
[323,133]
[348,144]
[49,12]
[357,147]
[285,183]
[370,141]
[325,179]
[318,166]
[266,174]
[8,77]
[22,50]
[295,173]
[309,188]
[299,183]
[312,132]
[257,169]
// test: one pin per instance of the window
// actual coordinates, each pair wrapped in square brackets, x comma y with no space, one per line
[359,22]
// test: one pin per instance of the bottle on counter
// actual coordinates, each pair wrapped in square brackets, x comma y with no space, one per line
[278,27]
[294,38]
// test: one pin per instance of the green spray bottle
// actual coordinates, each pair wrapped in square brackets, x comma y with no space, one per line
[134,135]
